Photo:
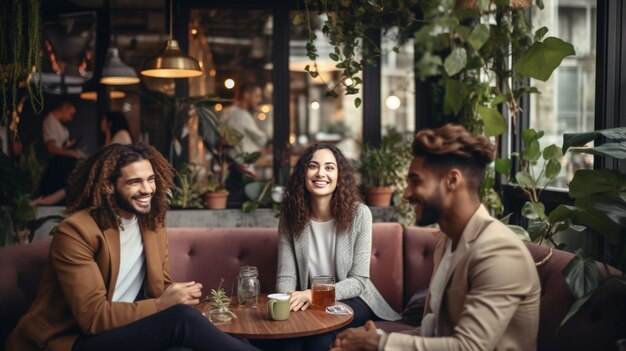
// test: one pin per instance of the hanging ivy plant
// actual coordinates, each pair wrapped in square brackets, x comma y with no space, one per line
[19,57]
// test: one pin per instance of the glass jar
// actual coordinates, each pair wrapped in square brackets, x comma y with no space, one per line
[248,286]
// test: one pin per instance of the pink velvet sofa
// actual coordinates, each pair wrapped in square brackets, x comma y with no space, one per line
[401,266]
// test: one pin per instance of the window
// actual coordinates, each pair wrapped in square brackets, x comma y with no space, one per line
[397,85]
[567,101]
[313,116]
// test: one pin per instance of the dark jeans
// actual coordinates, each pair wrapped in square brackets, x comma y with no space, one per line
[321,342]
[179,327]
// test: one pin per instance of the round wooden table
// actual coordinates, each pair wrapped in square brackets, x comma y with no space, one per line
[254,322]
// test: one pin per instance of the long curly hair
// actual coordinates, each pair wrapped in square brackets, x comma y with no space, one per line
[453,146]
[89,183]
[296,205]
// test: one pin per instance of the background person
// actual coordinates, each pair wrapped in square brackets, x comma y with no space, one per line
[56,136]
[115,127]
[107,284]
[325,229]
[484,292]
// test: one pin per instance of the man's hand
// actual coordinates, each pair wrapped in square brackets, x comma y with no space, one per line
[300,300]
[187,293]
[365,338]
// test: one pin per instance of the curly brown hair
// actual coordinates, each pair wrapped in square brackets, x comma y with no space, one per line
[296,205]
[89,183]
[453,146]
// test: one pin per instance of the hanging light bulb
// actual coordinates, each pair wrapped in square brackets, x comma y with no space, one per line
[393,102]
[172,63]
[116,72]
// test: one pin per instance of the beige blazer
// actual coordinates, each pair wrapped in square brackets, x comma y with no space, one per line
[77,286]
[491,300]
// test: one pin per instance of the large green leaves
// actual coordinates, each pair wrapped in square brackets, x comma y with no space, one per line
[479,36]
[616,150]
[580,139]
[494,123]
[456,61]
[542,58]
[582,275]
[589,182]
[456,93]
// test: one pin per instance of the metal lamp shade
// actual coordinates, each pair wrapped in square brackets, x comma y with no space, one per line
[116,72]
[172,63]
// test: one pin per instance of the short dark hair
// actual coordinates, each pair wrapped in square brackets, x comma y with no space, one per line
[63,104]
[245,88]
[118,121]
[452,146]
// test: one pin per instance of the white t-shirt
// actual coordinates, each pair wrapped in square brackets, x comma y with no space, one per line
[122,137]
[436,289]
[132,266]
[242,121]
[54,130]
[322,248]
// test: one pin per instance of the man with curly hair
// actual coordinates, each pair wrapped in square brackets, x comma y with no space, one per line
[484,292]
[107,284]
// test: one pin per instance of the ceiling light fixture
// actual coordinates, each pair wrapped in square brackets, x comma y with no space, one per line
[116,72]
[172,63]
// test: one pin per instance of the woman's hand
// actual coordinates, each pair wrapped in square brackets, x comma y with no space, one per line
[300,300]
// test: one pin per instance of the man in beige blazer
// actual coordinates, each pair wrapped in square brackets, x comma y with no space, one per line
[484,292]
[107,284]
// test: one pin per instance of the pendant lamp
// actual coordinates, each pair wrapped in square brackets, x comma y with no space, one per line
[171,63]
[116,72]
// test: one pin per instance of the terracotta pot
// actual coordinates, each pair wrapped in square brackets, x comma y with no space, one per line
[215,200]
[379,197]
[473,4]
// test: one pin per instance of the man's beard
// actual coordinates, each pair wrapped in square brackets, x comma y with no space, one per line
[125,205]
[431,210]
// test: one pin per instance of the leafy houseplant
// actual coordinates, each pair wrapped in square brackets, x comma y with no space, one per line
[382,168]
[218,306]
[187,192]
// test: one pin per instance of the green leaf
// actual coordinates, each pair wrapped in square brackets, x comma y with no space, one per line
[333,56]
[563,212]
[503,166]
[532,151]
[495,124]
[536,230]
[249,206]
[615,150]
[428,65]
[539,4]
[456,61]
[498,100]
[479,36]
[552,152]
[532,210]
[463,32]
[456,94]
[598,220]
[357,102]
[553,168]
[588,182]
[540,33]
[521,232]
[542,58]
[576,305]
[524,179]
[582,275]
[580,139]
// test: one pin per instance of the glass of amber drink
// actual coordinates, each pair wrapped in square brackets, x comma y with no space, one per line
[323,291]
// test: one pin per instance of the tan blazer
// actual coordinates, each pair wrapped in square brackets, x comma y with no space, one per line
[491,300]
[77,286]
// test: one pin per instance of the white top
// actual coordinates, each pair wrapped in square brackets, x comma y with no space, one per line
[132,266]
[122,137]
[322,248]
[54,130]
[241,120]
[436,289]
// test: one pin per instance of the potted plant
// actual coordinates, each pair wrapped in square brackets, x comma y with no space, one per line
[187,193]
[382,168]
[218,306]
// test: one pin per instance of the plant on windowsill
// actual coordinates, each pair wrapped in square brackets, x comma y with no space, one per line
[187,193]
[382,168]
[217,310]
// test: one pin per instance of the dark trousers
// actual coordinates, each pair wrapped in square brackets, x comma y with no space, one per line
[179,327]
[321,342]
